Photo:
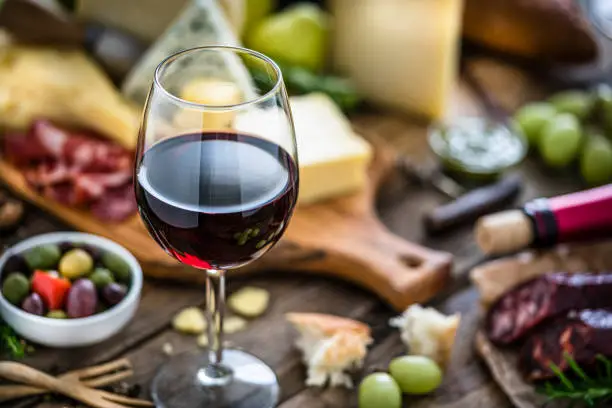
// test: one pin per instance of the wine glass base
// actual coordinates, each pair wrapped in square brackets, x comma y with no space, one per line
[182,383]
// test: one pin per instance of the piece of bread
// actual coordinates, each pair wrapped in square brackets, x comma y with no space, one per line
[65,87]
[427,332]
[331,345]
[553,30]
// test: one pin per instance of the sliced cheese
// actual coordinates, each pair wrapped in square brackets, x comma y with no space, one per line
[333,159]
[400,53]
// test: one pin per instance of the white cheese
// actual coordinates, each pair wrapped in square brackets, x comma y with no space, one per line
[333,159]
[400,53]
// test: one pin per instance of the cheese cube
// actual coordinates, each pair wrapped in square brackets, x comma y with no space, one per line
[400,53]
[333,159]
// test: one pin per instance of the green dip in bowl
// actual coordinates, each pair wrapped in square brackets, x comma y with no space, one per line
[477,148]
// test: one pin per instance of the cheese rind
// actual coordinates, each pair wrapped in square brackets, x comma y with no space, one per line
[333,159]
[400,53]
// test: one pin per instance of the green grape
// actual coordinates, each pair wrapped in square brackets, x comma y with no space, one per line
[596,160]
[561,140]
[379,390]
[578,103]
[532,117]
[416,374]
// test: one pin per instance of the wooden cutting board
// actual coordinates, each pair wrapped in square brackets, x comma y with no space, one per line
[341,237]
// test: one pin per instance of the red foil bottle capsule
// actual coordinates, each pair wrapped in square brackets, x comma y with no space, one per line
[581,216]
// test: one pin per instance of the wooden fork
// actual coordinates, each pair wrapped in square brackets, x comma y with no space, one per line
[73,384]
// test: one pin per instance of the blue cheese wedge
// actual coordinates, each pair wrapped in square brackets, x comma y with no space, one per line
[333,159]
[199,24]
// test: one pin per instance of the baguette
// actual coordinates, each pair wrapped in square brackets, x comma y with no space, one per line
[552,30]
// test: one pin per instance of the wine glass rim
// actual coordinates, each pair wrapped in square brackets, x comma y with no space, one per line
[257,99]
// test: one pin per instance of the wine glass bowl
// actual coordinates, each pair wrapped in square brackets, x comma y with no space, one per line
[216,182]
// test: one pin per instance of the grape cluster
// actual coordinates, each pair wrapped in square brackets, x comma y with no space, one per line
[572,127]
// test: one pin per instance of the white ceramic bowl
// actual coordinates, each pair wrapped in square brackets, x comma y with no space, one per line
[73,332]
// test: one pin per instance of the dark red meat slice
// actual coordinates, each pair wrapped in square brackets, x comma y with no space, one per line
[62,193]
[582,335]
[75,169]
[91,186]
[91,155]
[46,174]
[116,205]
[548,296]
[51,137]
[22,149]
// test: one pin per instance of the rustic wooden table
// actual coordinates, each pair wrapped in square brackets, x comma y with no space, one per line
[484,83]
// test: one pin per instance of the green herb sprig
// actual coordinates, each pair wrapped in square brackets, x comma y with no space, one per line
[590,390]
[10,343]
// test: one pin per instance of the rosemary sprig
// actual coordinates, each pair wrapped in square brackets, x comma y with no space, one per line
[592,390]
[10,343]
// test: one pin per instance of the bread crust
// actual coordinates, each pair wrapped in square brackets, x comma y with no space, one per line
[330,345]
[554,30]
[329,325]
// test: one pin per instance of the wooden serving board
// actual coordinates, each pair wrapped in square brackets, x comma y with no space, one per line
[341,237]
[495,278]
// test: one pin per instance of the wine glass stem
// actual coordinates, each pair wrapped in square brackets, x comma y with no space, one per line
[215,373]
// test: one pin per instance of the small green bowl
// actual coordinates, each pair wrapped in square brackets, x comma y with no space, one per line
[476,148]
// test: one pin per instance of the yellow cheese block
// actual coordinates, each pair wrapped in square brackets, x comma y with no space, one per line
[333,159]
[400,53]
[66,87]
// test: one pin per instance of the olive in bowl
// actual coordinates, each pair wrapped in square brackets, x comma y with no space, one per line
[68,295]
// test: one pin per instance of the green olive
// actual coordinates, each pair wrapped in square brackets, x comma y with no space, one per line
[75,264]
[101,277]
[16,287]
[43,257]
[57,314]
[117,266]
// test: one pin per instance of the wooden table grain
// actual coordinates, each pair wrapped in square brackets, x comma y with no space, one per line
[485,86]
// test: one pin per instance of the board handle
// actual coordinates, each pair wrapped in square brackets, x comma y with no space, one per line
[401,272]
[364,252]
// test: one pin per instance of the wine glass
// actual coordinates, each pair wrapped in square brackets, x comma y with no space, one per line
[216,182]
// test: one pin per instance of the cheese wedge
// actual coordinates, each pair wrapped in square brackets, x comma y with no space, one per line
[64,86]
[333,159]
[400,53]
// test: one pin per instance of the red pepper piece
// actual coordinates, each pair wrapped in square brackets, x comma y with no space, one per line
[53,290]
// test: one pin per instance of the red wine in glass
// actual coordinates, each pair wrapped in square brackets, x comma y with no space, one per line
[216,200]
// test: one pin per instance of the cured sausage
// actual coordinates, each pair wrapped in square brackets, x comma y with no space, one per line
[520,310]
[582,335]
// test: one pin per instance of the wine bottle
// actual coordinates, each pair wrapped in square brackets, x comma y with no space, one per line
[581,216]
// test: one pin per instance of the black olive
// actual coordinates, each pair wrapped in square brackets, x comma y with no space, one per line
[16,263]
[66,246]
[94,252]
